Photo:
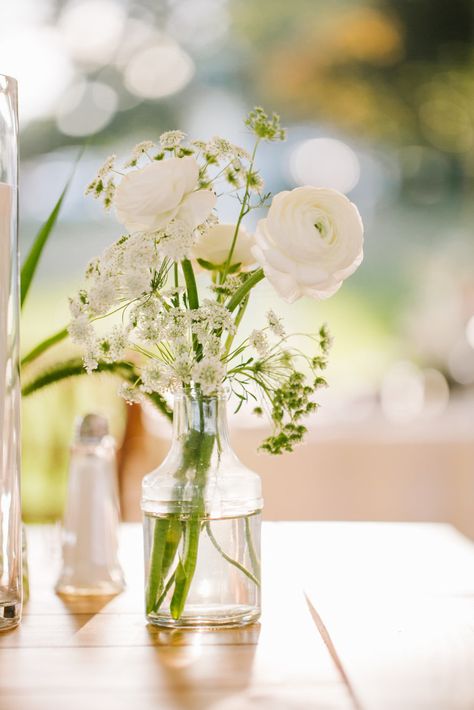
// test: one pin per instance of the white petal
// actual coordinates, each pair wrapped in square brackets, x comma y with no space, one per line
[284,284]
[190,172]
[214,245]
[196,207]
[145,223]
[322,294]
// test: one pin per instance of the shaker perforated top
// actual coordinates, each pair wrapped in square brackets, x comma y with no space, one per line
[91,428]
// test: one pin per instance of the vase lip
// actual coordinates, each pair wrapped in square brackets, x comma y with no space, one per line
[9,77]
[222,394]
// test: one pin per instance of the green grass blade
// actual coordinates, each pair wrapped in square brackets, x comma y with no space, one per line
[31,262]
[75,367]
[43,346]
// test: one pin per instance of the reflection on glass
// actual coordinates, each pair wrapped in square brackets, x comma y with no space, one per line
[10,514]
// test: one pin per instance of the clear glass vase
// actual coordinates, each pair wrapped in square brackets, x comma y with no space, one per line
[10,511]
[202,517]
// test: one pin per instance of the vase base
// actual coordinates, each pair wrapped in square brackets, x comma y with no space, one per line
[10,615]
[207,617]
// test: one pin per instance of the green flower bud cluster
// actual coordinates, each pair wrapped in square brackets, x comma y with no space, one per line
[265,127]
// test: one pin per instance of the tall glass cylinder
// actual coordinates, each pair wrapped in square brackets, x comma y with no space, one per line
[10,512]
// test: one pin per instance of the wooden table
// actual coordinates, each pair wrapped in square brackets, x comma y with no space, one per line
[356,615]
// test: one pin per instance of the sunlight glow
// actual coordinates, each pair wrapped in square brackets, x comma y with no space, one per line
[325,162]
[160,70]
[92,30]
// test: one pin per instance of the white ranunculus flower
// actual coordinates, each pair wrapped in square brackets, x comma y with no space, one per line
[310,241]
[147,199]
[215,243]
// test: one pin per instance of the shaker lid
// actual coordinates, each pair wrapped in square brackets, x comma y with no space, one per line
[91,428]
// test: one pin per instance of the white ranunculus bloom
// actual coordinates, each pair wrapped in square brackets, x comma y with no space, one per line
[311,240]
[215,243]
[147,199]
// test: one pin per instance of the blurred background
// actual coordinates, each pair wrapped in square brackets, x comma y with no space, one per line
[378,98]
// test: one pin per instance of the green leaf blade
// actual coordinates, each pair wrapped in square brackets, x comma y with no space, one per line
[31,262]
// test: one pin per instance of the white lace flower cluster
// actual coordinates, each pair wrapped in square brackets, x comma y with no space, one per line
[129,277]
[259,340]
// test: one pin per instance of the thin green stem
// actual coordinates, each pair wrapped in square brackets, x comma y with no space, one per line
[246,287]
[193,298]
[165,591]
[188,273]
[166,539]
[156,562]
[176,284]
[251,548]
[187,565]
[238,320]
[229,559]
[242,213]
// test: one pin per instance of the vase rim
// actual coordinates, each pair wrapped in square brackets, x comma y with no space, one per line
[222,394]
[9,77]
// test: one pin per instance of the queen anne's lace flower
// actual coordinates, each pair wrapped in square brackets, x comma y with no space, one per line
[177,241]
[156,377]
[129,393]
[258,341]
[171,139]
[81,330]
[111,347]
[107,166]
[210,318]
[102,295]
[275,324]
[140,149]
[208,373]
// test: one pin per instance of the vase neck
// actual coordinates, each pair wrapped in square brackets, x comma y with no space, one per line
[198,414]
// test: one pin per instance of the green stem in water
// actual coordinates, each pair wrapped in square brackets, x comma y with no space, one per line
[165,591]
[187,565]
[229,559]
[166,538]
[186,568]
[251,548]
[156,563]
[173,538]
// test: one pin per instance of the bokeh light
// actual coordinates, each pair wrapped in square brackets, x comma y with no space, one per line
[159,70]
[325,162]
[92,30]
[37,58]
[86,108]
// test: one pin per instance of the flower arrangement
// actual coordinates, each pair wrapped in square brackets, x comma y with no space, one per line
[142,316]
[165,196]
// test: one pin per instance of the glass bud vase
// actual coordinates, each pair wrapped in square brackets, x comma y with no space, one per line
[10,511]
[202,517]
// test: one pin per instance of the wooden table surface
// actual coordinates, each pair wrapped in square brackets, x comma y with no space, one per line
[356,615]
